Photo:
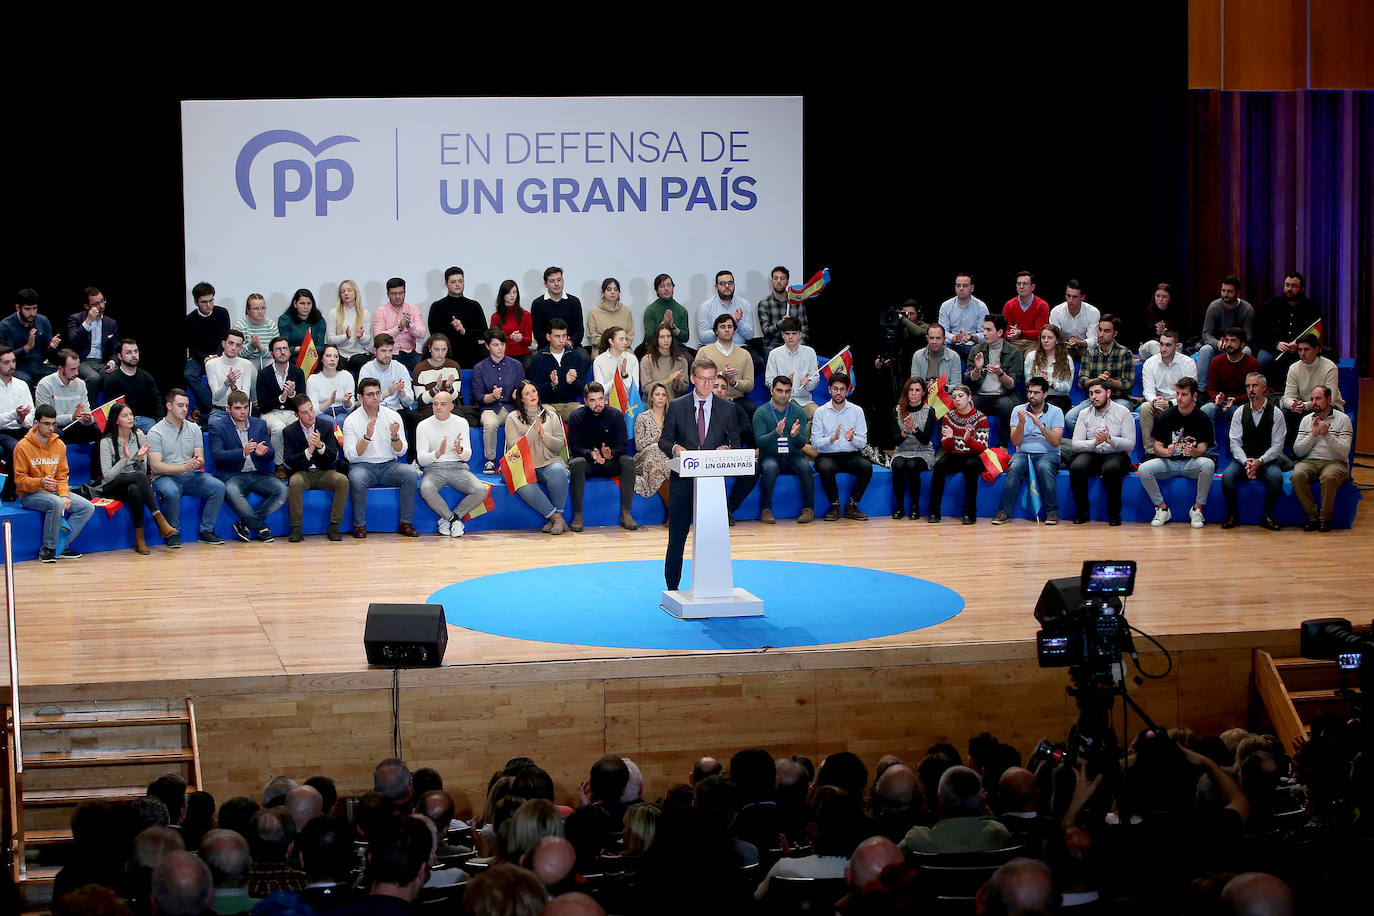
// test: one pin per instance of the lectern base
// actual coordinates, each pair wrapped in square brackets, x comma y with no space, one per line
[683,604]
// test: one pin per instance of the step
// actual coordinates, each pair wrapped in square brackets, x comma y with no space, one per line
[36,798]
[1312,674]
[48,836]
[111,718]
[41,874]
[53,759]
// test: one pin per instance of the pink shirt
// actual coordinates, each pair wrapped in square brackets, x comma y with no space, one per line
[387,320]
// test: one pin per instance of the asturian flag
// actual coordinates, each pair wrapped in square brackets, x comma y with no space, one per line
[626,400]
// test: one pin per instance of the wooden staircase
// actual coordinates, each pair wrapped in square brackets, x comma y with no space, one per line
[85,752]
[1294,691]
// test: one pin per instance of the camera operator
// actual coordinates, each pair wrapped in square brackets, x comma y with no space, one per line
[901,333]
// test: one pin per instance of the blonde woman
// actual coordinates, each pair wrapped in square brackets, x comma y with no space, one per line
[349,327]
[651,465]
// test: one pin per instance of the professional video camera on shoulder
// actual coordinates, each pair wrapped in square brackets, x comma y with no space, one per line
[1084,624]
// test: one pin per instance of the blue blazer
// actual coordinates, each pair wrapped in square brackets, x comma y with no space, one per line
[227,451]
[79,339]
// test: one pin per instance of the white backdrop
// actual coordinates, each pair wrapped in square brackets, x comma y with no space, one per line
[286,194]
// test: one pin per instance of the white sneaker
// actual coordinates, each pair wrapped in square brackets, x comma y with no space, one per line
[444,527]
[1195,517]
[456,528]
[1161,516]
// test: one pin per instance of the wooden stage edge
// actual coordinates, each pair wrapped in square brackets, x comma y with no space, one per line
[281,687]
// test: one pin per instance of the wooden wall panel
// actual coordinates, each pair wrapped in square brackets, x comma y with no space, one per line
[1342,44]
[1265,44]
[1204,44]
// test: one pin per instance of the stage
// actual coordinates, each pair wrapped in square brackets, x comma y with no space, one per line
[281,686]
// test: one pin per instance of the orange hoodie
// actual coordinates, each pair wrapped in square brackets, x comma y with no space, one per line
[33,461]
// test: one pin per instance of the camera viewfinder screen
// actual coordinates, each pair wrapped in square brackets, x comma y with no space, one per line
[1109,578]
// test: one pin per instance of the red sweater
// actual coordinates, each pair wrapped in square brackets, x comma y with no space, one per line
[964,432]
[1030,320]
[1227,378]
[524,326]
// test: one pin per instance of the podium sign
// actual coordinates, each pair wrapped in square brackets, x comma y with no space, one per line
[713,592]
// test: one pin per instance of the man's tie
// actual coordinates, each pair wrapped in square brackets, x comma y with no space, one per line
[701,423]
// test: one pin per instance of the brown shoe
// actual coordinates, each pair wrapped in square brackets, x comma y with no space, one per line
[766,517]
[807,515]
[627,521]
[407,530]
[164,527]
[852,511]
[360,531]
[559,526]
[576,523]
[140,543]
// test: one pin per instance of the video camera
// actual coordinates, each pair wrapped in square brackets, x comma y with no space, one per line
[1336,639]
[1083,622]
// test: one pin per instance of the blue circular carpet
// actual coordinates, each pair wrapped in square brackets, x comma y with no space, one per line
[616,605]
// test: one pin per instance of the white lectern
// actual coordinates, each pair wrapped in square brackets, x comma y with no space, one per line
[713,592]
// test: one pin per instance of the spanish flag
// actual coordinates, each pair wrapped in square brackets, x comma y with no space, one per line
[809,289]
[995,463]
[517,465]
[307,357]
[939,399]
[1314,328]
[111,506]
[484,507]
[840,362]
[101,414]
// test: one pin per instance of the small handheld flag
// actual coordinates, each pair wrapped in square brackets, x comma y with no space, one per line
[840,362]
[307,357]
[111,506]
[809,289]
[483,507]
[1031,499]
[939,400]
[1313,328]
[102,413]
[517,465]
[995,463]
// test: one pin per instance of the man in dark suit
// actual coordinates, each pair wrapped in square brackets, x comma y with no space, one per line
[315,462]
[244,460]
[95,338]
[697,420]
[278,383]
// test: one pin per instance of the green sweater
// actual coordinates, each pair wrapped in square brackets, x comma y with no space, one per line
[653,317]
[766,430]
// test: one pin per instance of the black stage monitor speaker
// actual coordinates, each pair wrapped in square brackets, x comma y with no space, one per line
[405,635]
[1058,598]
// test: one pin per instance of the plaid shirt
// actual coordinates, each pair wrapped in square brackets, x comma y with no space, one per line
[771,311]
[1118,362]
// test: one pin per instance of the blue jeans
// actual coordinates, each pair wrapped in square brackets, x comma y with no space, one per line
[50,504]
[770,466]
[144,424]
[1046,474]
[1156,469]
[273,491]
[197,483]
[1269,472]
[553,475]
[200,391]
[365,474]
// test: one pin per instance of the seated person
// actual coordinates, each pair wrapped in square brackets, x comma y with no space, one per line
[779,434]
[373,439]
[315,462]
[1052,362]
[16,416]
[1075,319]
[540,427]
[494,383]
[1311,369]
[918,429]
[610,312]
[730,359]
[443,451]
[121,472]
[1226,311]
[1037,429]
[1226,375]
[176,457]
[1102,442]
[600,447]
[742,485]
[1257,435]
[1158,376]
[40,479]
[31,337]
[559,371]
[94,337]
[1181,440]
[394,377]
[798,362]
[963,825]
[135,385]
[1110,362]
[245,462]
[963,439]
[664,363]
[651,465]
[1323,445]
[615,359]
[667,312]
[331,388]
[840,432]
[936,359]
[992,370]
[435,372]
[229,371]
[1026,313]
[65,392]
[279,382]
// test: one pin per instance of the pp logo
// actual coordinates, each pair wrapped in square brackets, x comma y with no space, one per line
[690,464]
[293,180]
